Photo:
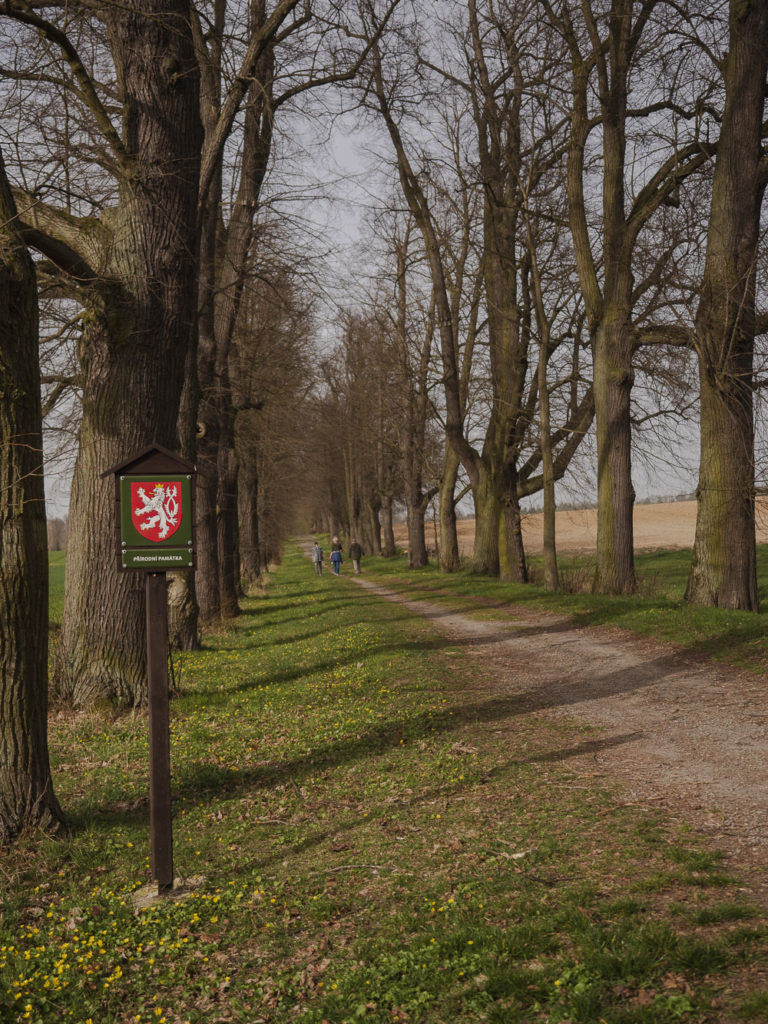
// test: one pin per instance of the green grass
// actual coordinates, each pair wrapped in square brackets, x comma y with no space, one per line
[375,833]
[658,610]
[56,585]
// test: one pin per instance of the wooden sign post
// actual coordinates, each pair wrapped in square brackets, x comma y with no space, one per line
[154,505]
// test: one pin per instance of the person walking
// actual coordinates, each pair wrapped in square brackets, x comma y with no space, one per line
[317,558]
[336,561]
[355,553]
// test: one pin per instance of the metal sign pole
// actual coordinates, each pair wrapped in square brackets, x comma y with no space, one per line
[161,836]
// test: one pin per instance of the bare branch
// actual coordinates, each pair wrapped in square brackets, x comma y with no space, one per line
[20,11]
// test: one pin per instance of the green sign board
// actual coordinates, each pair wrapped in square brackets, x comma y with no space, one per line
[156,521]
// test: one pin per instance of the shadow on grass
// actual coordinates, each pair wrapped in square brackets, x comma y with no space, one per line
[426,797]
[355,603]
[388,735]
[223,783]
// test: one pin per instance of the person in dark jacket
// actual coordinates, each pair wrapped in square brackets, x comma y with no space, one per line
[355,553]
[317,558]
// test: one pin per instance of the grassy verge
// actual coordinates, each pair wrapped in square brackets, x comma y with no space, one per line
[374,834]
[658,610]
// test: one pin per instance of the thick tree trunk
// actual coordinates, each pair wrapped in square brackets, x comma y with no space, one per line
[485,558]
[334,527]
[102,646]
[417,542]
[609,302]
[27,799]
[209,429]
[248,504]
[415,500]
[388,547]
[183,611]
[133,352]
[207,572]
[551,579]
[723,571]
[228,540]
[450,560]
[612,359]
[512,563]
[508,354]
[374,529]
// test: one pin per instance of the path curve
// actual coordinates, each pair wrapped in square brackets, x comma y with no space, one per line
[690,737]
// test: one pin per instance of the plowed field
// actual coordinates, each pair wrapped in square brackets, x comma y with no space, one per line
[666,525]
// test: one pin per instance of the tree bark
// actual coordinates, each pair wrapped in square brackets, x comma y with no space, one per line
[549,540]
[512,562]
[450,560]
[388,546]
[208,415]
[182,613]
[374,524]
[27,799]
[183,609]
[723,571]
[724,566]
[485,556]
[417,542]
[248,504]
[612,367]
[227,530]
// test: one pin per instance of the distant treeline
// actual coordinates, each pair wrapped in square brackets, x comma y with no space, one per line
[57,534]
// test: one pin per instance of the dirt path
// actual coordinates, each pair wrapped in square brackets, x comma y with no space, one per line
[692,738]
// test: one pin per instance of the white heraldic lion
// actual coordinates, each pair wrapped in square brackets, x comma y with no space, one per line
[161,508]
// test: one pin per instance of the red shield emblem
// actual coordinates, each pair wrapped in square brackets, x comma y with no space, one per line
[156,509]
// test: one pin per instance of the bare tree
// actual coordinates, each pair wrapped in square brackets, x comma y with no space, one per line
[413,350]
[273,373]
[515,147]
[224,250]
[133,268]
[27,799]
[290,50]
[609,49]
[724,570]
